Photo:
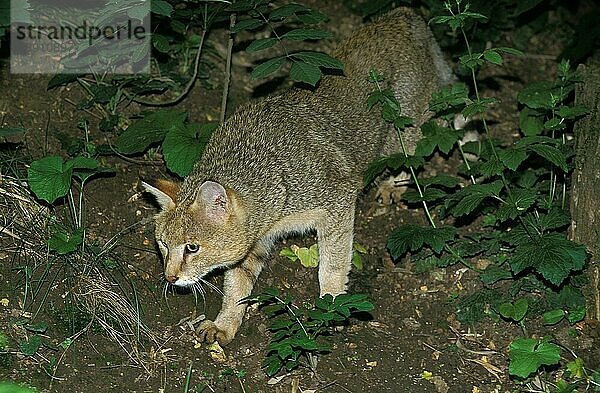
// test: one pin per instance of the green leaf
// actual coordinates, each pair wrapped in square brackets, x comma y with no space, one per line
[442,179]
[319,59]
[161,7]
[412,237]
[309,257]
[553,317]
[494,274]
[304,72]
[289,254]
[530,121]
[516,203]
[512,157]
[267,68]
[572,112]
[537,95]
[551,154]
[247,24]
[492,56]
[30,347]
[576,314]
[551,255]
[512,51]
[61,80]
[161,43]
[261,44]
[449,97]
[470,197]
[49,179]
[435,135]
[478,106]
[528,355]
[39,327]
[515,311]
[183,145]
[306,34]
[64,241]
[285,11]
[152,128]
[312,17]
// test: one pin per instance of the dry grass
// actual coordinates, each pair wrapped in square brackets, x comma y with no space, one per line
[23,235]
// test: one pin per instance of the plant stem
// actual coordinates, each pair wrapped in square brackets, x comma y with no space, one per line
[227,69]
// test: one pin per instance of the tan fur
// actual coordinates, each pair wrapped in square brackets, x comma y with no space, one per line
[293,162]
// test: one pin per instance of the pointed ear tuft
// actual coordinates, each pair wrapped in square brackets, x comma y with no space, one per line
[213,198]
[164,191]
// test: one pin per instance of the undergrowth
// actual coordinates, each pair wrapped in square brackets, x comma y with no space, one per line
[517,191]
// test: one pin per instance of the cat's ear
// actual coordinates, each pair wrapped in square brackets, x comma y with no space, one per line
[164,191]
[213,198]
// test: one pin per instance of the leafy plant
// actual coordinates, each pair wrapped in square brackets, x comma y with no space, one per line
[309,256]
[296,331]
[527,355]
[519,190]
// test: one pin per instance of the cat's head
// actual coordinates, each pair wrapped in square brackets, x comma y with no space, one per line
[199,235]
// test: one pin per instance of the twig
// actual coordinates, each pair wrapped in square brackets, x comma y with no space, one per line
[187,88]
[227,69]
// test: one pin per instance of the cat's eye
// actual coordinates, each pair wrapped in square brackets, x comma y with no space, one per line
[191,248]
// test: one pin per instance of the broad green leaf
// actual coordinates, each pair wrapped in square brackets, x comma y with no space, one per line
[63,241]
[492,56]
[183,146]
[161,7]
[306,34]
[429,194]
[267,68]
[537,95]
[572,112]
[470,197]
[311,17]
[553,317]
[517,203]
[152,128]
[61,80]
[551,154]
[39,327]
[49,179]
[576,314]
[530,121]
[247,24]
[449,96]
[261,44]
[442,179]
[30,347]
[319,59]
[413,237]
[286,10]
[309,257]
[577,369]
[161,43]
[494,274]
[434,136]
[304,72]
[528,355]
[551,255]
[288,253]
[512,157]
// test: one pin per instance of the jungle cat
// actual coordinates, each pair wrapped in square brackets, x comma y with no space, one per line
[291,163]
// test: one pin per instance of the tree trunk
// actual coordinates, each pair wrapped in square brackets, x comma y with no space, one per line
[585,192]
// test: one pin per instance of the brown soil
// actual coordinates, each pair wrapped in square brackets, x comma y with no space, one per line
[412,329]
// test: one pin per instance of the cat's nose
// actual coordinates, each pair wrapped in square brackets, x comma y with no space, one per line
[171,279]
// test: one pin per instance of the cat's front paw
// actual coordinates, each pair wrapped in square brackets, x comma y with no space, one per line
[210,332]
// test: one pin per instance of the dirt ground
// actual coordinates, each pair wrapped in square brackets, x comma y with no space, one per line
[412,330]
